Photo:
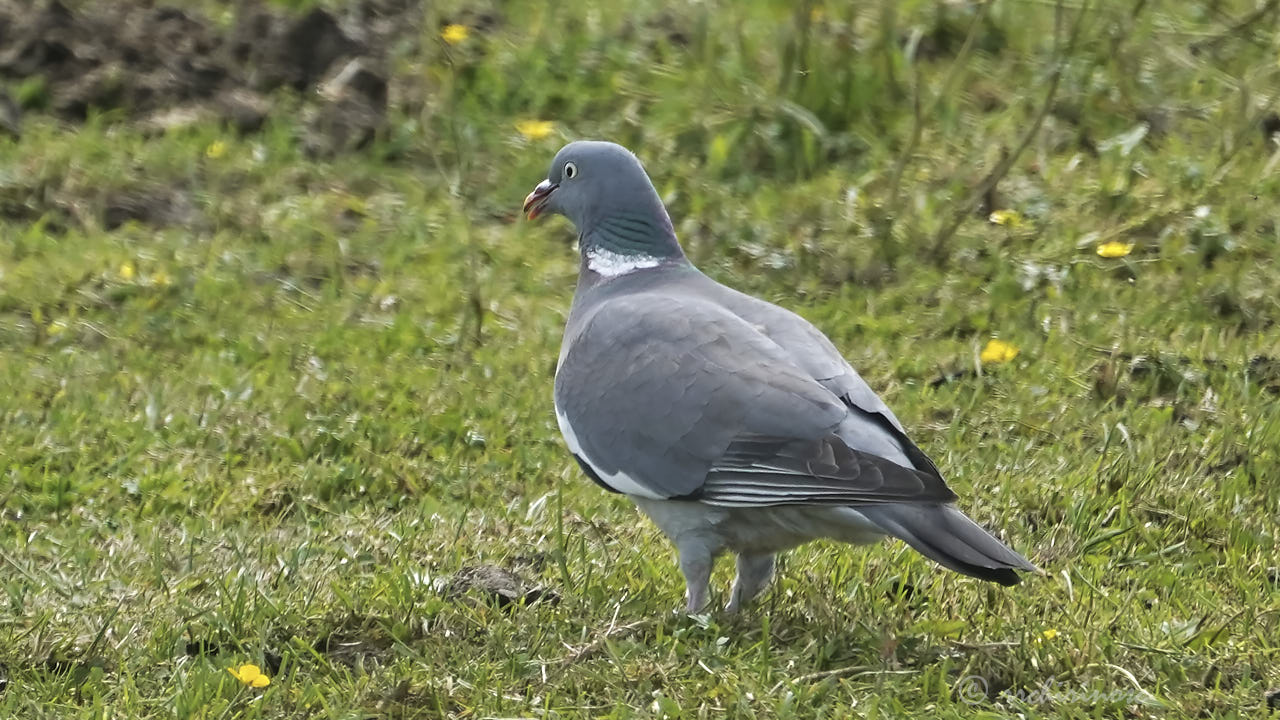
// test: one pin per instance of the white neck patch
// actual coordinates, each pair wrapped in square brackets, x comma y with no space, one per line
[611,264]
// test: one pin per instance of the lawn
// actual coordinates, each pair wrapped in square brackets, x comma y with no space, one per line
[275,396]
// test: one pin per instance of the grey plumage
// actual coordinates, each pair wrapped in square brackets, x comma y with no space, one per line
[733,423]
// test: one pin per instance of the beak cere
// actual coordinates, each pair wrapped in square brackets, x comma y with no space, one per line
[537,200]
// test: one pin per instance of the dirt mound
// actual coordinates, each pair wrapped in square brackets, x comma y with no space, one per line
[147,59]
[163,67]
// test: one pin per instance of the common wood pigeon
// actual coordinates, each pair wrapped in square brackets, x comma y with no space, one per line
[734,424]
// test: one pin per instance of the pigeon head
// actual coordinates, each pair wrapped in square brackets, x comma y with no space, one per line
[604,191]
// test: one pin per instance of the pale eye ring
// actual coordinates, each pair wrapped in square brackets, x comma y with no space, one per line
[570,171]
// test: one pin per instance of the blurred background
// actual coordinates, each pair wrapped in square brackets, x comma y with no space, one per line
[277,350]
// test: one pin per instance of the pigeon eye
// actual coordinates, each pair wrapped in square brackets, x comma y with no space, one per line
[570,171]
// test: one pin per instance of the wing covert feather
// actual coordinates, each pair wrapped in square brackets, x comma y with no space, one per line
[658,387]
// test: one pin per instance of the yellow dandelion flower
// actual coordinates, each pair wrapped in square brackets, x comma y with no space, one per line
[216,149]
[535,129]
[160,278]
[1114,249]
[998,351]
[455,34]
[250,675]
[1007,218]
[1049,634]
[126,271]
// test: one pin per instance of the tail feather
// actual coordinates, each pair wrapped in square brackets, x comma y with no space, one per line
[951,539]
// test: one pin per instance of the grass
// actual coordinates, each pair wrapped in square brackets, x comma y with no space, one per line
[272,433]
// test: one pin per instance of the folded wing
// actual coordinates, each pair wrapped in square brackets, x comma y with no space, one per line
[670,396]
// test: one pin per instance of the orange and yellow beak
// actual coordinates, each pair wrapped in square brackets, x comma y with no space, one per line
[535,201]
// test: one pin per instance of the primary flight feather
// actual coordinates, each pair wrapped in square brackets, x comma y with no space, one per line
[734,424]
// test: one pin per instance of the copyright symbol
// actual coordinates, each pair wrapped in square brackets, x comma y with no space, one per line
[972,689]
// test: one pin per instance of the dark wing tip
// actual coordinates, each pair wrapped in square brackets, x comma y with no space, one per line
[1004,576]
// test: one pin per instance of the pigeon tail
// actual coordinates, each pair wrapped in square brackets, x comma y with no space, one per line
[945,535]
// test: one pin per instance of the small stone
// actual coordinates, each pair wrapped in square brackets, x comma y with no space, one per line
[501,584]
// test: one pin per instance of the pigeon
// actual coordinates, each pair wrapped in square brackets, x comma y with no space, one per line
[733,423]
